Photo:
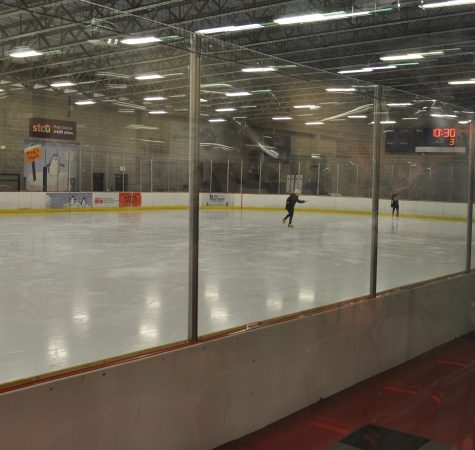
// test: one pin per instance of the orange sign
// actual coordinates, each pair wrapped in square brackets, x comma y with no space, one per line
[33,153]
[130,199]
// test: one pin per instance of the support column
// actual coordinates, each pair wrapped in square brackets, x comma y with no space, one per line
[375,188]
[468,263]
[194,196]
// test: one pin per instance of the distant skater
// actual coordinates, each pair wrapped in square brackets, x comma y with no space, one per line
[290,205]
[395,204]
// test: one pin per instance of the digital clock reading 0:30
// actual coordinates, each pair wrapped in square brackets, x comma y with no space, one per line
[448,133]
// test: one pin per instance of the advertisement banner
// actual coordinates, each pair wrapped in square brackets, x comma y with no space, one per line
[217,200]
[64,200]
[52,129]
[106,200]
[49,166]
[130,199]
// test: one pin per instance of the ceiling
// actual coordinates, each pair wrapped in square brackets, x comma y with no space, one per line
[80,40]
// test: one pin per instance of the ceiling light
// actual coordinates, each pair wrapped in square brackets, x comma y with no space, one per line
[449,116]
[202,100]
[152,76]
[217,120]
[313,123]
[410,118]
[318,17]
[464,122]
[387,122]
[357,117]
[402,57]
[158,111]
[24,52]
[462,82]
[340,89]
[366,69]
[306,106]
[151,99]
[225,109]
[248,107]
[85,102]
[230,29]
[216,85]
[391,66]
[258,69]
[282,118]
[447,3]
[398,104]
[238,94]
[140,40]
[62,84]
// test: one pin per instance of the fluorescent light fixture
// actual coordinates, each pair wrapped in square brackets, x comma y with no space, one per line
[447,3]
[449,116]
[357,117]
[230,29]
[282,118]
[85,102]
[314,123]
[258,69]
[402,57]
[203,100]
[410,118]
[398,104]
[464,122]
[316,155]
[138,126]
[306,106]
[151,99]
[157,111]
[340,89]
[24,52]
[58,84]
[238,94]
[387,122]
[248,107]
[151,76]
[462,82]
[366,69]
[140,40]
[388,67]
[217,120]
[208,85]
[318,17]
[225,109]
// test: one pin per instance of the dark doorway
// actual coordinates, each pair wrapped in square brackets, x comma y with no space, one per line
[97,182]
[121,183]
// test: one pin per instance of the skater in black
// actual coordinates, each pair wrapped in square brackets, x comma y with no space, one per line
[395,204]
[290,205]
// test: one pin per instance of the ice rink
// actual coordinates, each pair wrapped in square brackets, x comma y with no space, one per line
[82,287]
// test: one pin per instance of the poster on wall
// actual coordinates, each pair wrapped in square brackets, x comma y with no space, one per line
[52,129]
[69,200]
[130,199]
[49,166]
[217,200]
[106,199]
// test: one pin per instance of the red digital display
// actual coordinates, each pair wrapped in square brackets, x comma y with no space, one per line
[447,133]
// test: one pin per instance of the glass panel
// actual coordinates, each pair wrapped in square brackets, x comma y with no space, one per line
[423,161]
[114,280]
[290,133]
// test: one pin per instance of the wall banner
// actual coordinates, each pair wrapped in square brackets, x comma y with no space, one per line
[52,129]
[130,199]
[106,199]
[69,200]
[49,166]
[217,200]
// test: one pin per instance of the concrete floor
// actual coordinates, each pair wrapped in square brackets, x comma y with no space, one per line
[82,287]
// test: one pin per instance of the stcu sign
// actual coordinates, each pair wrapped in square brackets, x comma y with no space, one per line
[52,129]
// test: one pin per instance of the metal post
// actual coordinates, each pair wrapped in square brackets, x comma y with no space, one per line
[227,179]
[140,174]
[452,181]
[151,175]
[194,157]
[278,185]
[123,172]
[298,173]
[260,173]
[409,184]
[471,149]
[318,180]
[211,177]
[178,175]
[92,171]
[357,174]
[80,170]
[242,168]
[107,171]
[168,175]
[375,189]
[338,178]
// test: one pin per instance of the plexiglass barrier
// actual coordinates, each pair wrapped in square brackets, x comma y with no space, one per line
[264,128]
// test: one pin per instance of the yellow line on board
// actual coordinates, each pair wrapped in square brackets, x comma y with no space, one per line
[232,208]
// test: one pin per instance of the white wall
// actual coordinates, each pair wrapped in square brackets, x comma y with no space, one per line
[201,396]
[37,200]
